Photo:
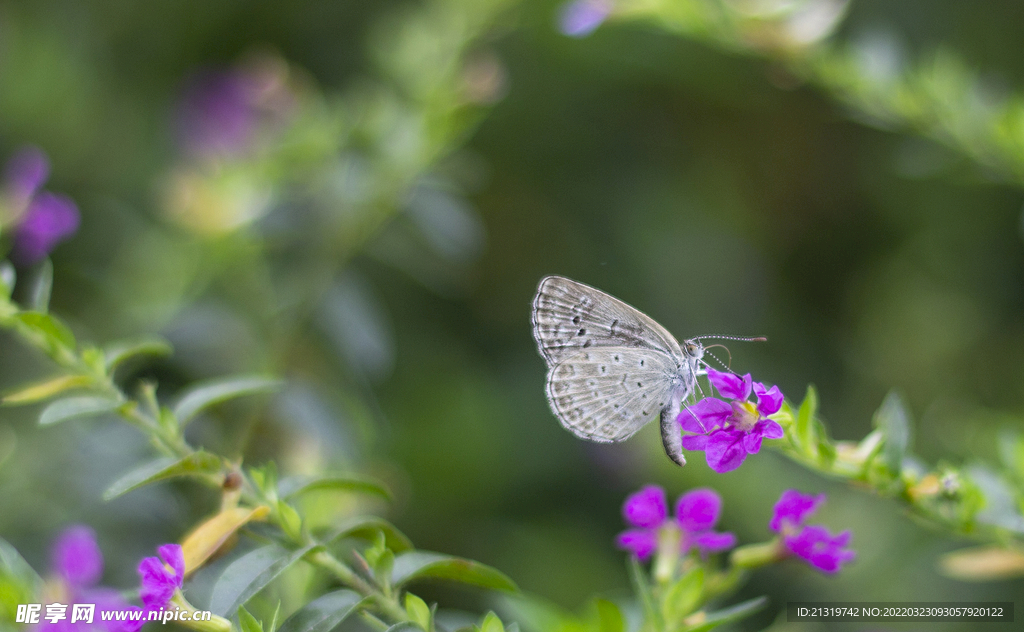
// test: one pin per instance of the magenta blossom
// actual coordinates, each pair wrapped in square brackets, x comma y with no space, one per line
[78,563]
[697,512]
[580,17]
[41,219]
[728,431]
[813,543]
[161,577]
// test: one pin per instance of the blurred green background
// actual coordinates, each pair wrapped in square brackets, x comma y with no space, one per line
[391,285]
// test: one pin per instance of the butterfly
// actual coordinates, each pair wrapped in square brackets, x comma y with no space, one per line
[612,368]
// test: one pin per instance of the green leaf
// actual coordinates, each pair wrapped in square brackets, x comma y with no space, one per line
[273,619]
[247,622]
[609,616]
[249,574]
[805,421]
[54,334]
[12,564]
[71,407]
[117,352]
[367,528]
[8,277]
[291,521]
[405,626]
[416,565]
[643,592]
[41,287]
[206,394]
[45,390]
[296,485]
[682,597]
[196,464]
[728,615]
[322,614]
[491,623]
[894,422]
[418,610]
[826,450]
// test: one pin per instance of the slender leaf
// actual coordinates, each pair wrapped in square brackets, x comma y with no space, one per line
[247,622]
[206,394]
[296,485]
[71,407]
[8,277]
[41,287]
[609,616]
[805,420]
[45,390]
[643,591]
[416,565]
[117,352]
[893,420]
[728,615]
[53,332]
[418,610]
[324,613]
[249,574]
[491,623]
[367,527]
[405,626]
[11,563]
[196,464]
[682,597]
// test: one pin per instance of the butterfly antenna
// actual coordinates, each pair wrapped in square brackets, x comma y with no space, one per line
[728,365]
[738,338]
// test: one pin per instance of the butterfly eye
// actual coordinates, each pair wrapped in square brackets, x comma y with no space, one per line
[694,349]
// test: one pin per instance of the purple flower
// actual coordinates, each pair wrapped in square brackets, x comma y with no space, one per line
[813,543]
[42,219]
[77,561]
[217,113]
[25,172]
[697,512]
[728,431]
[580,17]
[161,577]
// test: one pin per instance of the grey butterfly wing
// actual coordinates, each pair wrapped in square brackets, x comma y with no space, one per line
[607,394]
[569,316]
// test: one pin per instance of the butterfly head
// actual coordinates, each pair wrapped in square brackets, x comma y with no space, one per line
[693,349]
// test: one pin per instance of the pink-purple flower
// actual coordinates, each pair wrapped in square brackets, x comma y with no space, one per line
[41,219]
[697,511]
[77,562]
[580,17]
[813,543]
[727,431]
[161,576]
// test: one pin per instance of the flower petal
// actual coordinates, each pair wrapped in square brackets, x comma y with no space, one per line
[581,17]
[771,429]
[725,451]
[695,442]
[712,541]
[793,508]
[769,401]
[821,549]
[752,441]
[705,415]
[646,508]
[157,585]
[698,510]
[25,172]
[641,542]
[76,557]
[49,220]
[173,556]
[730,385]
